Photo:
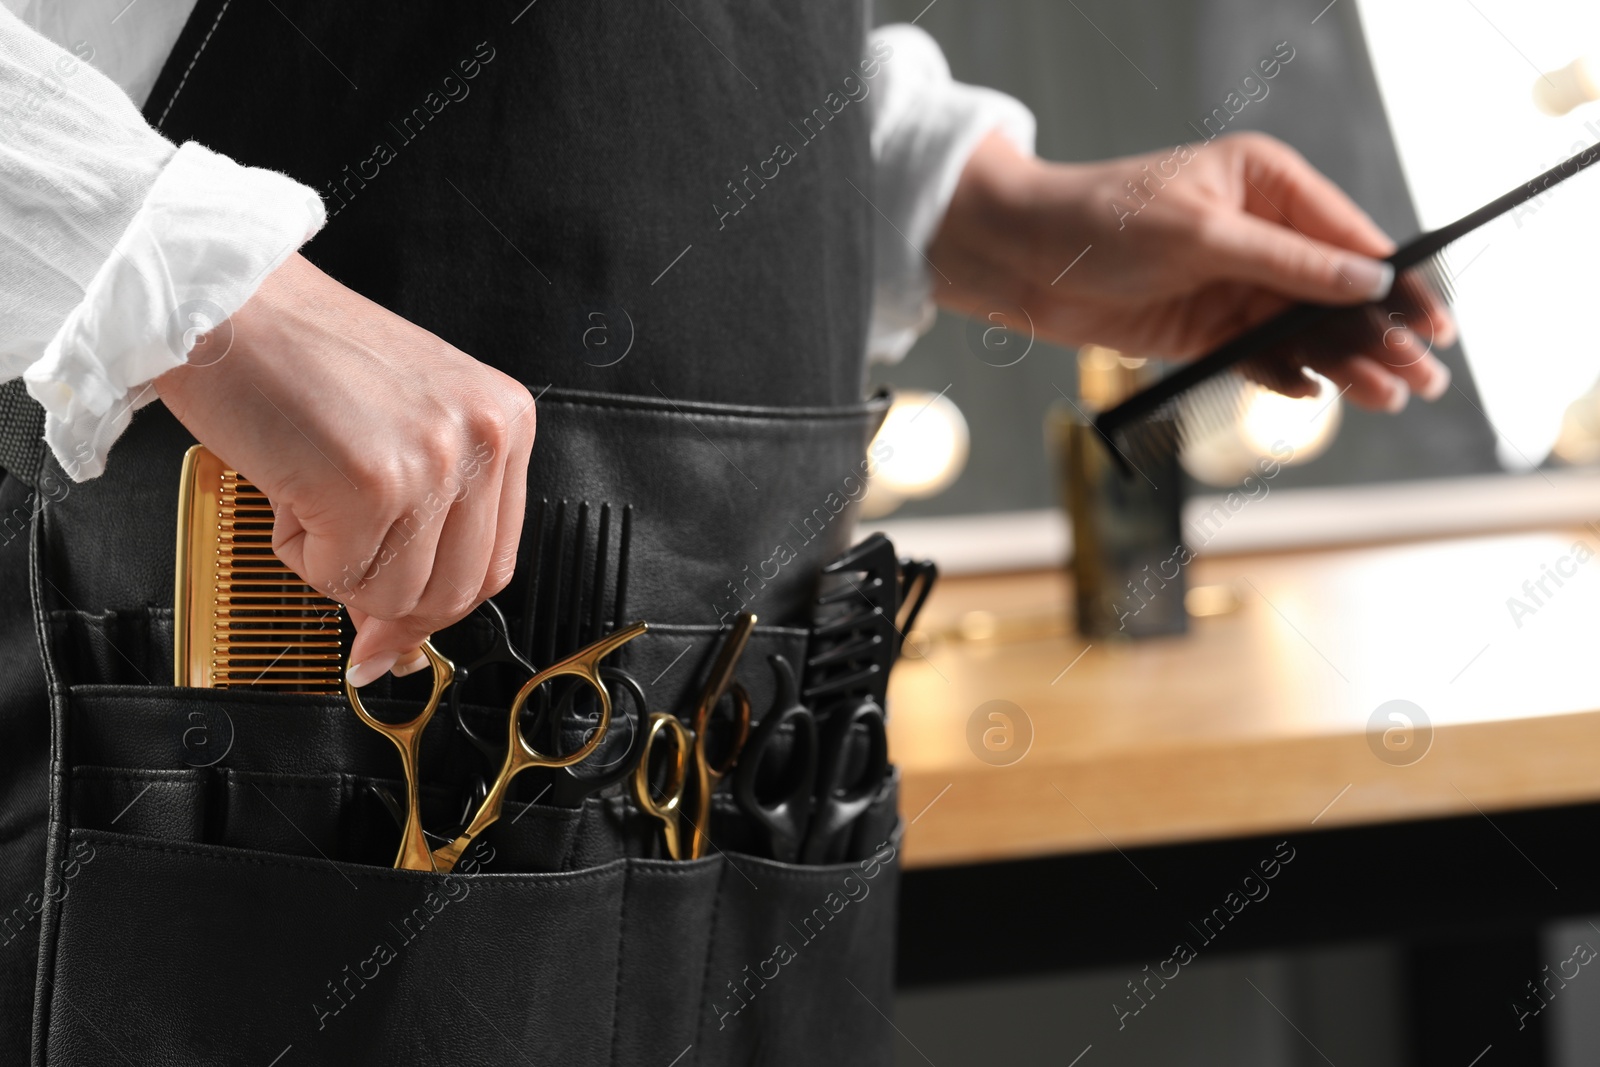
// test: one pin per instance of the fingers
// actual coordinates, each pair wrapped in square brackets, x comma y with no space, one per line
[1364,382]
[383,499]
[1417,305]
[1367,383]
[1296,233]
[433,548]
[313,558]
[1282,188]
[372,654]
[430,583]
[513,504]
[1242,247]
[1382,368]
[457,567]
[393,580]
[1380,356]
[475,553]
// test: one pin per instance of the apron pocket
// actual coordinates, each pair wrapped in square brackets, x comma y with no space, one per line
[534,837]
[667,915]
[801,964]
[167,804]
[296,814]
[201,954]
[112,647]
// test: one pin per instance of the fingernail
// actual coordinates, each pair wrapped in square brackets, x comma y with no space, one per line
[409,664]
[370,670]
[1398,399]
[1437,384]
[1372,278]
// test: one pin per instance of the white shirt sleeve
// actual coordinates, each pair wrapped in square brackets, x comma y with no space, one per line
[925,126]
[117,249]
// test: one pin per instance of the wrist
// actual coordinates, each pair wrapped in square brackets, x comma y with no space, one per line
[991,232]
[994,187]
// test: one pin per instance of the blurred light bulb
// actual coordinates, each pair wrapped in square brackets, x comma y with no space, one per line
[1574,85]
[1579,441]
[1269,422]
[927,441]
[1306,424]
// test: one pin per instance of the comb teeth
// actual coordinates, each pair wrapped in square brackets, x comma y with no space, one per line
[270,630]
[853,639]
[1281,351]
[572,574]
[245,620]
[1440,276]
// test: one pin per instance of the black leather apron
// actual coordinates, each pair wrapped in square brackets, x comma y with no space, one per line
[654,216]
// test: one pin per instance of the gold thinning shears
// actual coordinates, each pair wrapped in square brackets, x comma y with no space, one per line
[692,746]
[414,854]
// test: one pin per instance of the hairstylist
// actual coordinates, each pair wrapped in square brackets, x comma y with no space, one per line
[481,182]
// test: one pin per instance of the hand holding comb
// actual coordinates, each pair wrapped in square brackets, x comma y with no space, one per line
[1206,394]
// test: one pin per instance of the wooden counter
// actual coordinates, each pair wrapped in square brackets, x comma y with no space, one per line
[1257,721]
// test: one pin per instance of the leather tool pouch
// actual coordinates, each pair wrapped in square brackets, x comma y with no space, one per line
[219,886]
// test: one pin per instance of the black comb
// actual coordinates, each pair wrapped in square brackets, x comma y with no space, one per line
[1209,393]
[571,575]
[853,641]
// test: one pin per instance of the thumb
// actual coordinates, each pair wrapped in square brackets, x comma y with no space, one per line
[382,647]
[1249,249]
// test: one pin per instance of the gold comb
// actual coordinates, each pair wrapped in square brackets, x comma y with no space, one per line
[241,619]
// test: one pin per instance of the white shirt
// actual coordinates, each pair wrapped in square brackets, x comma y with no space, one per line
[118,249]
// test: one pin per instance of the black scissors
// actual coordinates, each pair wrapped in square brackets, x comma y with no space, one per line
[825,780]
[583,665]
[849,777]
[780,802]
[611,762]
[619,751]
[500,650]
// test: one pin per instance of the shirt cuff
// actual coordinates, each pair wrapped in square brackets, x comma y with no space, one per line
[924,129]
[208,232]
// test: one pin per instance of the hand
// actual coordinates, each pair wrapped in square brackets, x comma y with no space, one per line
[1222,236]
[397,465]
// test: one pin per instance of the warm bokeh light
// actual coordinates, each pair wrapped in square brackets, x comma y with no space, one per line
[1286,429]
[928,441]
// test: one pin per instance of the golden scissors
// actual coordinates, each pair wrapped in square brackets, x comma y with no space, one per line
[414,854]
[692,745]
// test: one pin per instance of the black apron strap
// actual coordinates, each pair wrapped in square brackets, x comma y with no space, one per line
[21,433]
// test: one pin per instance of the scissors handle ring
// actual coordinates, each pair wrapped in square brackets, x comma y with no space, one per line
[741,726]
[443,673]
[414,854]
[528,756]
[572,788]
[842,796]
[585,663]
[779,798]
[665,810]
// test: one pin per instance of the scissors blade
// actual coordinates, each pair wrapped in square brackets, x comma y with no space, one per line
[718,683]
[727,661]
